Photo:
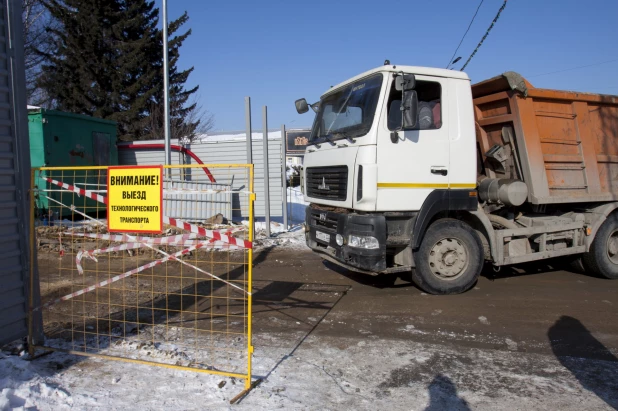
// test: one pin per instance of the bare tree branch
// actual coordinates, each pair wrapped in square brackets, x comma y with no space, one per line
[38,41]
[182,129]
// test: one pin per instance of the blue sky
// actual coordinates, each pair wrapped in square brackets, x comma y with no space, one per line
[278,51]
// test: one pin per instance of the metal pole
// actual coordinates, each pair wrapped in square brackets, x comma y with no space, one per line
[250,279]
[166,97]
[266,176]
[284,176]
[248,126]
[249,150]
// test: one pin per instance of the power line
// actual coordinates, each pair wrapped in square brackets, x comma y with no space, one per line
[464,36]
[493,23]
[573,68]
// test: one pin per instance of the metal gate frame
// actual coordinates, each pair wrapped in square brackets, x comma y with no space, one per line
[34,298]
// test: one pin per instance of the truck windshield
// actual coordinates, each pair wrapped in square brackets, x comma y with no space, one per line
[348,112]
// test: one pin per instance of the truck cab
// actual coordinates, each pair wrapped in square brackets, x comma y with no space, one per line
[407,170]
[367,178]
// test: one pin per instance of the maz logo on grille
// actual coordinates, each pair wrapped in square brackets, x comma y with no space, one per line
[323,186]
[329,182]
[323,217]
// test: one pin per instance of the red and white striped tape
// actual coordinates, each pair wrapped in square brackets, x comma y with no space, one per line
[129,273]
[124,237]
[167,220]
[79,191]
[217,235]
[210,244]
[91,254]
[219,239]
[170,240]
[164,253]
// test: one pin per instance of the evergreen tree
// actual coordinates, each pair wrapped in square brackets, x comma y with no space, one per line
[79,76]
[138,66]
[37,40]
[107,63]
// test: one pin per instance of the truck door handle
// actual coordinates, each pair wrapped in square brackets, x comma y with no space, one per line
[439,170]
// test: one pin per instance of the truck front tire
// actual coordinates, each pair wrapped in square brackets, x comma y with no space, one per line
[449,259]
[602,259]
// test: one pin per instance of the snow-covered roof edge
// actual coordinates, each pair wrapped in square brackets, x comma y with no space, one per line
[213,138]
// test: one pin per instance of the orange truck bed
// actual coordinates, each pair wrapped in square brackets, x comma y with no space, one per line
[562,144]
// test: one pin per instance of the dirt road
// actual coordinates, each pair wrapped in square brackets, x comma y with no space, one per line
[327,338]
[517,332]
[530,307]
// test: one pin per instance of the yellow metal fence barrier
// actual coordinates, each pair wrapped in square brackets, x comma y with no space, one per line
[179,297]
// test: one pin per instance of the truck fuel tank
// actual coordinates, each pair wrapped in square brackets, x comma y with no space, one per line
[503,191]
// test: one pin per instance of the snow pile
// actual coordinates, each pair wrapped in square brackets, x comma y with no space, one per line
[21,387]
[294,236]
[291,239]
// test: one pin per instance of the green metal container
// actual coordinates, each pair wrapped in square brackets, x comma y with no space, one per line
[59,139]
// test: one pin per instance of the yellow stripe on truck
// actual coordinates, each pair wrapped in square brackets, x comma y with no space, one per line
[426,185]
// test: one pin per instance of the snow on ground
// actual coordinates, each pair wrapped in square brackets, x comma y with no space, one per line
[217,136]
[322,373]
[292,237]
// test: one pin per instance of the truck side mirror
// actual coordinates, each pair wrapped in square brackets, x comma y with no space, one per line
[405,82]
[301,106]
[409,110]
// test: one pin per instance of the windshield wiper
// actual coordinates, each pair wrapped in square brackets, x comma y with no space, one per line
[345,134]
[318,145]
[327,138]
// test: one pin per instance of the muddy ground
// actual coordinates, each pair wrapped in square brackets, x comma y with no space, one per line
[531,323]
[529,304]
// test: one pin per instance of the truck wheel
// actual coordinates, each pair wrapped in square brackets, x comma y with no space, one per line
[602,259]
[449,259]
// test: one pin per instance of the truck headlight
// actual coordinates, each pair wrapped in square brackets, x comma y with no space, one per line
[339,240]
[361,241]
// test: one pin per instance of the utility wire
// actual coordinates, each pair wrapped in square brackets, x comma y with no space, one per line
[464,36]
[493,23]
[573,68]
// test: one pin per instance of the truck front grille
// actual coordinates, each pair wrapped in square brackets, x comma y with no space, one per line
[328,183]
[323,221]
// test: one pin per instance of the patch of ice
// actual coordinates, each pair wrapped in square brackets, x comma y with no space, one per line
[322,373]
[412,330]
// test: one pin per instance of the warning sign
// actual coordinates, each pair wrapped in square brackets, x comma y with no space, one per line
[135,199]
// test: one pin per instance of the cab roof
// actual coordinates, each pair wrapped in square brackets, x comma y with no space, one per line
[423,71]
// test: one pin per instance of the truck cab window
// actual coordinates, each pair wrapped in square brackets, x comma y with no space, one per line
[429,106]
[352,116]
[347,112]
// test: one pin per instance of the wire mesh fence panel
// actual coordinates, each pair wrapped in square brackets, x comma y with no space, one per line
[177,296]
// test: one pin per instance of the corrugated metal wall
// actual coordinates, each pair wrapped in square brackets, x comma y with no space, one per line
[194,206]
[14,178]
[225,152]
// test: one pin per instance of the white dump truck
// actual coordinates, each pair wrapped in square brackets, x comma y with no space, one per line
[413,169]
